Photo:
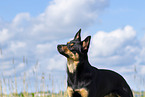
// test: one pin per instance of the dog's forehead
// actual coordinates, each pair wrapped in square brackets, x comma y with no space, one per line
[73,41]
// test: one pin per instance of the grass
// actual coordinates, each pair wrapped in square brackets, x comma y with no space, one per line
[11,86]
[39,94]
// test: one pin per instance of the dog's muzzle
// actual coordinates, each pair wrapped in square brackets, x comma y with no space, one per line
[62,50]
[59,48]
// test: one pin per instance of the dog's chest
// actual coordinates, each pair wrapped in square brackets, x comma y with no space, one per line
[72,65]
[77,92]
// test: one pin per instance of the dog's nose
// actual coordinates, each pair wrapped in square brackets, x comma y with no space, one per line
[59,46]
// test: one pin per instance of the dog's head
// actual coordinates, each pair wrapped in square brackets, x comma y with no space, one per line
[75,48]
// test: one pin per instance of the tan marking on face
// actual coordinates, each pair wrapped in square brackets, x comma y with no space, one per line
[72,65]
[83,92]
[69,91]
[75,57]
[71,44]
[68,52]
[71,55]
[65,48]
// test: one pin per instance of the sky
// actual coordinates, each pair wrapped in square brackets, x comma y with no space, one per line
[31,30]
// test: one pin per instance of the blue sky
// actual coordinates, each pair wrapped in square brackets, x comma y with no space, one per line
[10,8]
[121,13]
[31,30]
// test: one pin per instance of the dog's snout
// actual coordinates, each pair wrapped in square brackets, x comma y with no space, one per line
[59,46]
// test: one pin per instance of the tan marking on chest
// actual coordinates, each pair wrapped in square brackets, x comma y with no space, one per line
[72,65]
[69,91]
[83,92]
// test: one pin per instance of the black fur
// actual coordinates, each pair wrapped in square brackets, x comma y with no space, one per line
[97,82]
[76,94]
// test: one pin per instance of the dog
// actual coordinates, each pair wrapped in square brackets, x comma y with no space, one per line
[84,80]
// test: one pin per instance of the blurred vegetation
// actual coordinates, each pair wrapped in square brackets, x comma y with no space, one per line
[38,94]
[11,85]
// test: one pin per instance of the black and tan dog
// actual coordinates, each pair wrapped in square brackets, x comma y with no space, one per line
[85,80]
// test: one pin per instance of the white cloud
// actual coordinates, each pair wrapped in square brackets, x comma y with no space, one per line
[107,44]
[4,35]
[140,58]
[15,49]
[143,41]
[42,49]
[61,17]
[20,19]
[142,70]
[16,45]
[57,62]
[70,11]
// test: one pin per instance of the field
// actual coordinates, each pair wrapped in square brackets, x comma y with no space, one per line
[40,91]
[9,88]
[49,94]
[39,94]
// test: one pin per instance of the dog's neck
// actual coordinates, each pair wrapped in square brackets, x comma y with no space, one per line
[72,65]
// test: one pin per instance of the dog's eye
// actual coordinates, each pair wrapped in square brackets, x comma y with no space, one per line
[71,44]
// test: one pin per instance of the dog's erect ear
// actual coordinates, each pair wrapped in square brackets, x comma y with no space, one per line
[86,43]
[78,35]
